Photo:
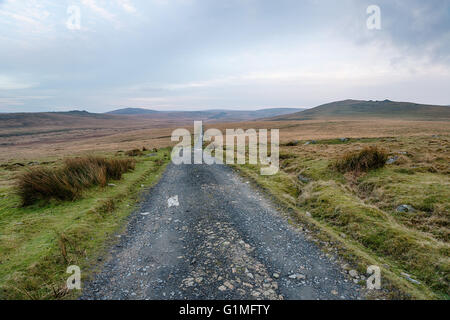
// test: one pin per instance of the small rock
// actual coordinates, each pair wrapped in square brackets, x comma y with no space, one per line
[405,274]
[276,275]
[145,213]
[228,285]
[392,160]
[268,293]
[413,280]
[303,179]
[408,277]
[308,214]
[405,208]
[111,185]
[173,201]
[353,273]
[334,292]
[199,279]
[344,139]
[297,276]
[222,288]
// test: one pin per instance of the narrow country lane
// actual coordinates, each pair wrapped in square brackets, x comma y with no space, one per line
[204,233]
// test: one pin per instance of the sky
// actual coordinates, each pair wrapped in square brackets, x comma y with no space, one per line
[211,54]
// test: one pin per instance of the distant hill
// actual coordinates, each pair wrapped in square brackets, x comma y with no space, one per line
[360,109]
[206,115]
[42,119]
[263,113]
[29,123]
[132,111]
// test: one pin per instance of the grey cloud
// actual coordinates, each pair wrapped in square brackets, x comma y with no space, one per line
[144,53]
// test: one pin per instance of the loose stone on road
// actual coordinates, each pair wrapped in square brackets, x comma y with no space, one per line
[217,238]
[173,202]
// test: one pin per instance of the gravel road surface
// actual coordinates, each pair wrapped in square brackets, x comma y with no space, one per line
[203,232]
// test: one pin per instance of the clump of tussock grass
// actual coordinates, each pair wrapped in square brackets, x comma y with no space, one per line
[134,153]
[362,161]
[68,182]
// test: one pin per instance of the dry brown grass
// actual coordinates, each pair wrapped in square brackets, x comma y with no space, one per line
[126,135]
[331,129]
[134,153]
[371,157]
[68,182]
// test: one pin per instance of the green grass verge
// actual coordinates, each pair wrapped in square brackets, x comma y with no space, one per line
[359,218]
[38,243]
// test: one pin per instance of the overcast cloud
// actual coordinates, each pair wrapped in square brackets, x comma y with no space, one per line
[236,54]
